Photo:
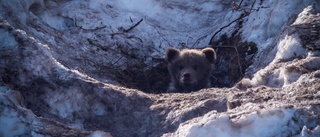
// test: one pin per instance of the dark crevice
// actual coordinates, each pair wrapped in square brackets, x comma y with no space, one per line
[233,58]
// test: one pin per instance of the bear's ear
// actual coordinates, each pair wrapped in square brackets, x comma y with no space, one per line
[210,54]
[171,54]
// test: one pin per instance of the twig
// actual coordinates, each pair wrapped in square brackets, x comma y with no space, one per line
[240,4]
[131,19]
[197,41]
[254,2]
[188,40]
[124,34]
[123,31]
[93,29]
[112,64]
[133,26]
[161,35]
[240,17]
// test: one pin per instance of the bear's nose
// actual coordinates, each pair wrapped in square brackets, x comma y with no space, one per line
[186,75]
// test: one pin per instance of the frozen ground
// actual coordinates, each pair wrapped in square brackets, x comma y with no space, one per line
[59,60]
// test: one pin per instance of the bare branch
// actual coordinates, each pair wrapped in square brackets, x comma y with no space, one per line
[198,40]
[245,14]
[133,26]
[240,17]
[93,29]
[159,33]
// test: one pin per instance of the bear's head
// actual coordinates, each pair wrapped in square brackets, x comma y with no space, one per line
[190,69]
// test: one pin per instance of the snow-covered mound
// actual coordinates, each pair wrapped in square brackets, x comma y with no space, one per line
[262,124]
[62,64]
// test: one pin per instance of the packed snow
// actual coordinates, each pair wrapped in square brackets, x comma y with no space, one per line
[289,47]
[267,123]
[10,122]
[255,124]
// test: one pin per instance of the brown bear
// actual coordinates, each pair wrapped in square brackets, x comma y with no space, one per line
[190,69]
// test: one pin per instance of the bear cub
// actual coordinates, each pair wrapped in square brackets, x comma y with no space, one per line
[190,69]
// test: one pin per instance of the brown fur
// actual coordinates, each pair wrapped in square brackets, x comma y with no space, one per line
[190,69]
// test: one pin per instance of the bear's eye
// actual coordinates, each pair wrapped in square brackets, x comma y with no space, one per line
[180,67]
[195,67]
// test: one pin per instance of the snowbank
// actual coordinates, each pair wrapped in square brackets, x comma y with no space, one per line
[263,124]
[284,69]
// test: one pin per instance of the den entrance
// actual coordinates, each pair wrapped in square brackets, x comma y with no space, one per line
[233,58]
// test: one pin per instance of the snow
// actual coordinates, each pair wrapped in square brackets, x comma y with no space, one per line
[313,64]
[99,134]
[263,123]
[7,41]
[165,23]
[290,76]
[64,104]
[289,47]
[267,23]
[98,109]
[304,15]
[58,23]
[10,122]
[145,7]
[305,132]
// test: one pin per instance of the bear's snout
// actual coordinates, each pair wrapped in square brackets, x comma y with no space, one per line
[187,77]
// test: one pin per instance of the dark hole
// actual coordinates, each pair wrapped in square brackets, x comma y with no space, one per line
[233,58]
[36,8]
[153,80]
[229,67]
